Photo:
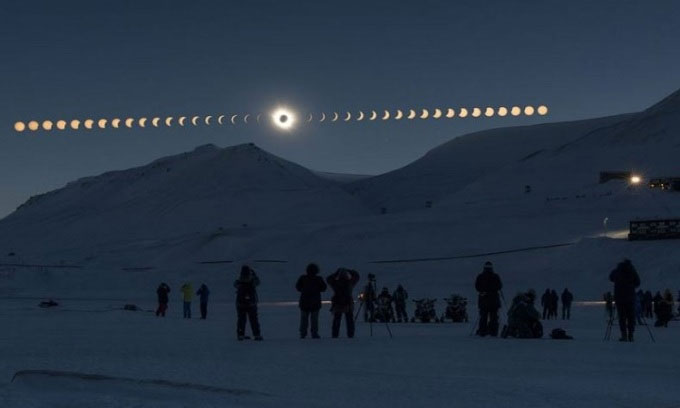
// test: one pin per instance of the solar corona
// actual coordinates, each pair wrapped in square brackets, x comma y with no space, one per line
[280,118]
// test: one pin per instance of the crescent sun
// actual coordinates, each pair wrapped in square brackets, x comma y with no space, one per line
[386,115]
[220,119]
[181,120]
[194,120]
[168,121]
[233,119]
[335,116]
[309,118]
[257,118]
[348,117]
[411,114]
[129,122]
[374,115]
[425,114]
[207,120]
[450,113]
[323,117]
[155,121]
[361,116]
[245,118]
[437,113]
[142,122]
[399,114]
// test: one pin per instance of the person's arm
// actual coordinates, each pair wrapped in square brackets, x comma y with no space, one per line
[478,284]
[612,275]
[322,285]
[500,283]
[298,284]
[355,277]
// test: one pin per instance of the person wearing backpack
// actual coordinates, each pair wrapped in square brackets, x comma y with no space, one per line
[246,303]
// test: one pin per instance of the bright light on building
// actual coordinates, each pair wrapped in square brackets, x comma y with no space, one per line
[635,179]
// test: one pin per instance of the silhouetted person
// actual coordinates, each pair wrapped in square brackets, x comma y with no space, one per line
[488,285]
[400,296]
[163,298]
[523,318]
[246,303]
[342,282]
[664,309]
[625,279]
[204,293]
[384,301]
[647,304]
[567,298]
[310,285]
[545,303]
[369,299]
[187,295]
[639,297]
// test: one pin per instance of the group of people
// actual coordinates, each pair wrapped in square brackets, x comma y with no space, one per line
[550,302]
[523,320]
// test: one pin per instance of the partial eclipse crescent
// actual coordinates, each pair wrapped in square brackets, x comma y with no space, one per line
[245,118]
[154,121]
[194,120]
[386,115]
[348,117]
[142,122]
[168,121]
[220,119]
[425,114]
[450,113]
[411,114]
[335,116]
[128,122]
[233,119]
[361,116]
[207,120]
[323,117]
[399,114]
[437,113]
[374,115]
[181,120]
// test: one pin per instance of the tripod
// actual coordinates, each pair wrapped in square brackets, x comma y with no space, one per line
[610,324]
[372,283]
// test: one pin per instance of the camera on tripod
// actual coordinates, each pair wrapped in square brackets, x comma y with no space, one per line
[371,277]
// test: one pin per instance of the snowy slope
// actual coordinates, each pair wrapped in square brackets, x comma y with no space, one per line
[200,191]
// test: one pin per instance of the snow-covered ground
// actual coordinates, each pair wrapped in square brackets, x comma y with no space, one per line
[171,362]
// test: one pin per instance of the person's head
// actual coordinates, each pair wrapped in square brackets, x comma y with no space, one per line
[245,272]
[531,295]
[342,274]
[488,266]
[399,287]
[312,269]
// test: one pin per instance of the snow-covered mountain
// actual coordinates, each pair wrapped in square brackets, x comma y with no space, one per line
[207,189]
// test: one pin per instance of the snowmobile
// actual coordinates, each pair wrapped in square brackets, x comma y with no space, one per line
[383,310]
[456,309]
[425,311]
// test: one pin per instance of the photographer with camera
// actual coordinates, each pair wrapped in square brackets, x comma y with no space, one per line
[246,303]
[369,298]
[342,303]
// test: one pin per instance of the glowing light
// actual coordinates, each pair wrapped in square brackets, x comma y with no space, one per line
[411,114]
[515,111]
[168,121]
[502,111]
[61,124]
[542,110]
[348,117]
[360,117]
[386,115]
[19,126]
[129,122]
[75,124]
[528,110]
[399,114]
[194,120]
[635,179]
[207,120]
[425,114]
[284,118]
[33,125]
[47,125]
[142,122]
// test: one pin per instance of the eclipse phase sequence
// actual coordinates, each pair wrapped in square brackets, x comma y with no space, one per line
[281,118]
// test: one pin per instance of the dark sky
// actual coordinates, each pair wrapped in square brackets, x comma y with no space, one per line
[132,58]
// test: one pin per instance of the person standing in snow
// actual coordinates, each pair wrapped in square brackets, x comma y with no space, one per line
[545,302]
[488,284]
[187,295]
[246,303]
[567,298]
[400,295]
[163,298]
[342,282]
[625,279]
[204,294]
[554,303]
[647,302]
[310,285]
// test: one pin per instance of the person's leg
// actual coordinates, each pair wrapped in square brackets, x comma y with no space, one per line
[493,322]
[315,323]
[623,323]
[254,321]
[158,310]
[337,316]
[349,320]
[304,321]
[241,322]
[631,318]
[204,310]
[545,312]
[483,322]
[189,309]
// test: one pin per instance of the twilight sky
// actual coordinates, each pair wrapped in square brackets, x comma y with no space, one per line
[78,59]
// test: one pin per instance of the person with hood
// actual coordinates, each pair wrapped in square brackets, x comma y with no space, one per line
[187,295]
[163,298]
[488,284]
[626,280]
[246,303]
[545,303]
[204,294]
[665,309]
[310,285]
[400,296]
[523,318]
[567,298]
[342,282]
